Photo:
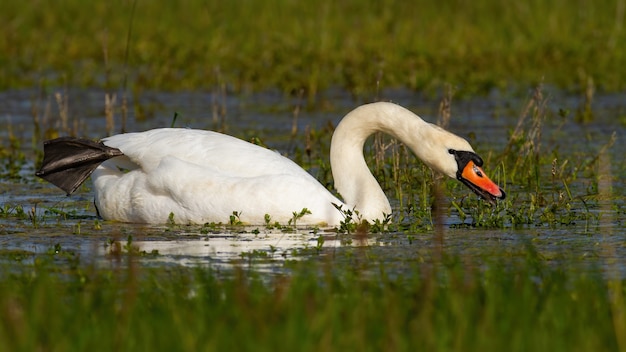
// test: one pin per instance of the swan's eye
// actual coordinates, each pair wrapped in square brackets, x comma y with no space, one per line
[477,172]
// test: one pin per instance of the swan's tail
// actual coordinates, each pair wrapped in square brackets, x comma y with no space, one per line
[68,161]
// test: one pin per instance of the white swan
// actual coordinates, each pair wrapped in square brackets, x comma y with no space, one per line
[203,176]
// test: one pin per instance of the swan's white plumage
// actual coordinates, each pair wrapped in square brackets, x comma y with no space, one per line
[203,176]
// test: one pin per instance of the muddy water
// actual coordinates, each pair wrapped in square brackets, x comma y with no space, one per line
[77,233]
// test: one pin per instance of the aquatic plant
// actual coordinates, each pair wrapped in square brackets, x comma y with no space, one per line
[12,158]
[298,215]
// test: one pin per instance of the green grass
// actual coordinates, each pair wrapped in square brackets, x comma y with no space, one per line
[294,45]
[322,305]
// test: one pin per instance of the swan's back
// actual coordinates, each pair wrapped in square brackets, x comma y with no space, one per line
[230,155]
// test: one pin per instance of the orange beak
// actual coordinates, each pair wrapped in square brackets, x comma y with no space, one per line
[475,178]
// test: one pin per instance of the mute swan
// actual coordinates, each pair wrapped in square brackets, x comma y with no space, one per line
[203,176]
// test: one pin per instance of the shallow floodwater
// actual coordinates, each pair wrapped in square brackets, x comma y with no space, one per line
[72,229]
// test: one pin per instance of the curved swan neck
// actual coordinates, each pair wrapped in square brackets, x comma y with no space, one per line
[352,177]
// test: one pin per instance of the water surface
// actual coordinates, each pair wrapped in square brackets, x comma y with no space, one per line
[593,243]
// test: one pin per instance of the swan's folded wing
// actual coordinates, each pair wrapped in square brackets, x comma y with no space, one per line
[229,155]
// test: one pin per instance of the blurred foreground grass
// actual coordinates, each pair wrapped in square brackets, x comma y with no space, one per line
[310,46]
[324,305]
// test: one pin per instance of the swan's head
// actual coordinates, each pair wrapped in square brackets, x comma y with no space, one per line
[469,172]
[453,156]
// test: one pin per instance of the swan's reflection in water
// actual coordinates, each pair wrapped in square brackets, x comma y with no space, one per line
[114,244]
[232,249]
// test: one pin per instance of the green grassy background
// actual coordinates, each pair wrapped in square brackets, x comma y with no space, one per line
[312,45]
